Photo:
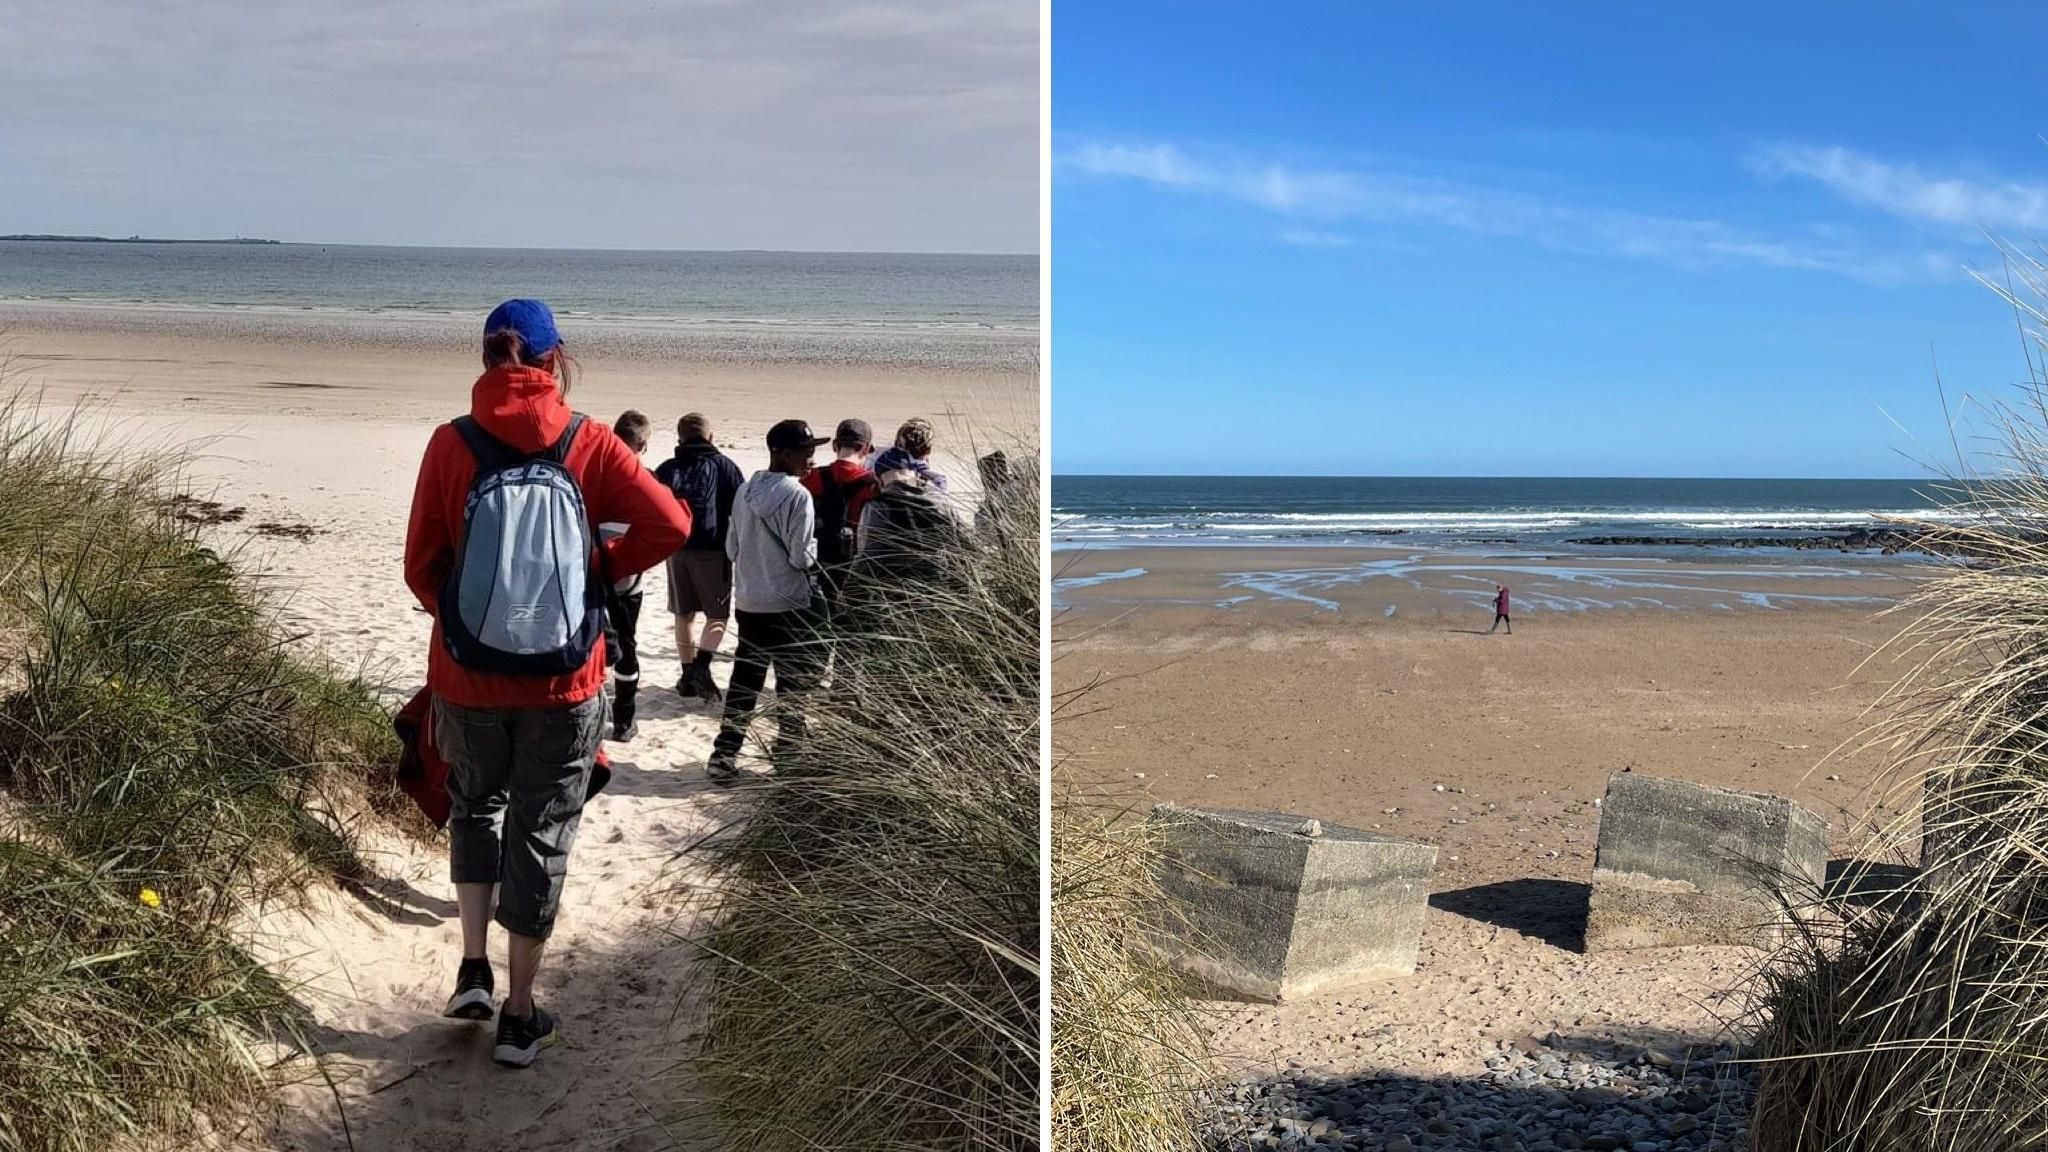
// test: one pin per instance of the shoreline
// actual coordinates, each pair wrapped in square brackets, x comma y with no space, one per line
[1873,540]
[907,347]
[1386,586]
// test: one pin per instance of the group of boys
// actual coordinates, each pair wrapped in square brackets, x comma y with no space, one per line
[772,552]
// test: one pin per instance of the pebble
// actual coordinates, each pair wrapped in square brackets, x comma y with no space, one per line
[1534,1095]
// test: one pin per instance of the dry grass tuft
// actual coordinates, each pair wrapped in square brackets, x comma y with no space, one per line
[1918,1021]
[166,758]
[872,965]
[1128,1046]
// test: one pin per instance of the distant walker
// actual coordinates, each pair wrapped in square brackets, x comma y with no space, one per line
[1500,610]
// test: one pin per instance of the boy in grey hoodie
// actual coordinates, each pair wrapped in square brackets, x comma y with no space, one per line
[773,545]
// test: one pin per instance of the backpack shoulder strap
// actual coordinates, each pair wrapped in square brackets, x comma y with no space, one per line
[491,453]
[558,452]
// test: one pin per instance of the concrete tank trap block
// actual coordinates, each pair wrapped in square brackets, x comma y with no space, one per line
[1684,863]
[1277,907]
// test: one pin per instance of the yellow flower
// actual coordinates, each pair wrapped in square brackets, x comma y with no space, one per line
[149,897]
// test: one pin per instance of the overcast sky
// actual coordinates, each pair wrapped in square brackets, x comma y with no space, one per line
[907,125]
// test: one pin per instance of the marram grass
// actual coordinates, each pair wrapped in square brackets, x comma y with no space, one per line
[1919,1022]
[871,968]
[167,758]
[1128,1046]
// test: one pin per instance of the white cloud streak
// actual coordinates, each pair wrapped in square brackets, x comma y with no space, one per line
[1311,200]
[1903,190]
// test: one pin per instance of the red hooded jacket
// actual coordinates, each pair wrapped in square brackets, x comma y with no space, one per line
[849,473]
[522,407]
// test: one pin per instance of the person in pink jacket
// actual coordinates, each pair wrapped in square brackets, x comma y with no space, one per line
[1500,610]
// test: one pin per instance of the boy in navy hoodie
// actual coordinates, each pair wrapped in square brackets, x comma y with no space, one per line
[700,576]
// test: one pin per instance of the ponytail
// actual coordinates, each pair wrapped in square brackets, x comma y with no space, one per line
[505,347]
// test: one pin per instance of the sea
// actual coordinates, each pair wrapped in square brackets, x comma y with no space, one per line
[1543,513]
[944,311]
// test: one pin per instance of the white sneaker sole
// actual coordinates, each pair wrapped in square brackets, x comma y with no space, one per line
[474,1004]
[512,1057]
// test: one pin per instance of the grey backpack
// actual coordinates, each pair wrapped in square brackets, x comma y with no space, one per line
[522,597]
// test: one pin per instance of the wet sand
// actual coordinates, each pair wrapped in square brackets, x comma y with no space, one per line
[1358,686]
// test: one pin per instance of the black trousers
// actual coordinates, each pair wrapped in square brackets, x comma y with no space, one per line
[622,651]
[790,644]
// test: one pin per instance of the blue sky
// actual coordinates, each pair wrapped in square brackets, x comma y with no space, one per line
[1535,239]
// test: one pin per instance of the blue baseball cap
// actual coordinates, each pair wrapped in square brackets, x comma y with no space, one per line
[531,319]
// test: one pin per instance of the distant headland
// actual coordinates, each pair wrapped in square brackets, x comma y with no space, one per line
[133,240]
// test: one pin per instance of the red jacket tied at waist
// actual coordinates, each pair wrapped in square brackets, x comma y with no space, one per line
[523,407]
[423,774]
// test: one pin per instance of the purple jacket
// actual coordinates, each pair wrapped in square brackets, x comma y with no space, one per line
[897,460]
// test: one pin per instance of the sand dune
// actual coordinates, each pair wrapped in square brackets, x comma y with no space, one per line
[326,437]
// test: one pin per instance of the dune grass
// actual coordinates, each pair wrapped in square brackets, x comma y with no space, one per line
[871,968]
[1919,1022]
[1128,1046]
[167,758]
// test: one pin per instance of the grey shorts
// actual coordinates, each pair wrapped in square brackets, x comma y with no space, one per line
[700,581]
[517,779]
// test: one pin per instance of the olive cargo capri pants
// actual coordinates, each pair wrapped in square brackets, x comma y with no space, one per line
[517,779]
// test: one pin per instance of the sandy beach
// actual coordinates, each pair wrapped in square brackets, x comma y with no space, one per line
[1357,686]
[318,432]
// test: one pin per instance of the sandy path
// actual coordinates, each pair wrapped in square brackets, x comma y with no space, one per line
[329,438]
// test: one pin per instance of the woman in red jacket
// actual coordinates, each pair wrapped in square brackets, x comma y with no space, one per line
[506,501]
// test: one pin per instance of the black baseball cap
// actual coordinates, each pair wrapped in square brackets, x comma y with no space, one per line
[851,432]
[791,434]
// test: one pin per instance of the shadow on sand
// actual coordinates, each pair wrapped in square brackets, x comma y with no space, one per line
[422,1082]
[1671,1091]
[676,781]
[1553,911]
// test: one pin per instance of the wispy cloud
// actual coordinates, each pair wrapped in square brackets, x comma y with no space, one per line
[1313,199]
[1904,190]
[1313,238]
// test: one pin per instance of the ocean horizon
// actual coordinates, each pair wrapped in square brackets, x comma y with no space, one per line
[1547,512]
[918,309]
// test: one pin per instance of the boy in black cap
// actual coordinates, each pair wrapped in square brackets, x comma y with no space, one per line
[774,546]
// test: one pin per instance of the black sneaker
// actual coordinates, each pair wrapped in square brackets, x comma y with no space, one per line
[624,733]
[473,988]
[706,686]
[721,769]
[520,1038]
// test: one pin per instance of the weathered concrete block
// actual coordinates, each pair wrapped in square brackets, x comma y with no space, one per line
[1685,863]
[1273,912]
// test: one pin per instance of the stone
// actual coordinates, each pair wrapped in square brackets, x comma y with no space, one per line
[1268,913]
[1685,863]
